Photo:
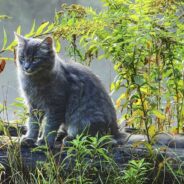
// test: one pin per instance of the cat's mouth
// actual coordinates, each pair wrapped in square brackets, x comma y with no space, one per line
[30,72]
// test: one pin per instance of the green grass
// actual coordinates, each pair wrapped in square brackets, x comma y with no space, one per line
[89,160]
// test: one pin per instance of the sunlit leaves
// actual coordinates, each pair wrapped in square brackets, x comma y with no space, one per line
[12,45]
[146,60]
[41,28]
[3,17]
[49,28]
[145,90]
[139,80]
[4,39]
[32,31]
[144,40]
[152,130]
[158,114]
[19,102]
[44,28]
[58,46]
[119,100]
[18,31]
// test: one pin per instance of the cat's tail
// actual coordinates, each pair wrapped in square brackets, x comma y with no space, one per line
[119,136]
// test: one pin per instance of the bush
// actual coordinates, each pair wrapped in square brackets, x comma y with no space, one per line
[144,40]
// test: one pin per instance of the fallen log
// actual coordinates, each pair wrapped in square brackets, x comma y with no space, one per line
[135,148]
[162,139]
[164,146]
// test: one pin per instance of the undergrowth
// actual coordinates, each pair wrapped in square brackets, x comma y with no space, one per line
[87,160]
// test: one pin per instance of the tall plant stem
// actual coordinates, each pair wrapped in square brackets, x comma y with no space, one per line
[145,118]
[144,113]
[159,86]
[177,95]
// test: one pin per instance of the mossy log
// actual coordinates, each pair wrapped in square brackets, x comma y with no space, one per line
[122,154]
[136,147]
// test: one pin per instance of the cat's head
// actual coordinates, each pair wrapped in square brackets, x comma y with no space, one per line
[35,55]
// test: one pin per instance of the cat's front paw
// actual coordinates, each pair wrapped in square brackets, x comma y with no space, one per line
[67,141]
[43,142]
[27,142]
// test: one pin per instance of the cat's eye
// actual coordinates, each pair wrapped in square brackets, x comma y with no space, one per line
[21,58]
[36,59]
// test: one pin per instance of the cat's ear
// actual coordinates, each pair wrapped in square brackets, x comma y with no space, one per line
[21,40]
[48,41]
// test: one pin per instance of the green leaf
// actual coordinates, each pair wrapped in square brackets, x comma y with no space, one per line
[50,28]
[41,28]
[18,31]
[33,27]
[6,58]
[32,30]
[1,126]
[12,46]
[2,168]
[3,17]
[5,39]
[112,87]
[101,57]
[139,80]
[58,46]
[158,114]
[152,130]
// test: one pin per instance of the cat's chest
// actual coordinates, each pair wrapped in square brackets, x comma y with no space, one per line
[35,90]
[44,93]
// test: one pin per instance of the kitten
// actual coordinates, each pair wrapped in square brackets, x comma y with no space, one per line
[68,93]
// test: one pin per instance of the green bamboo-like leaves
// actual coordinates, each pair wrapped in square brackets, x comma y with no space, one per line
[19,29]
[5,39]
[41,28]
[4,17]
[58,46]
[32,31]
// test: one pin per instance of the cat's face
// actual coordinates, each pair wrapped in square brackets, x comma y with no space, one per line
[35,55]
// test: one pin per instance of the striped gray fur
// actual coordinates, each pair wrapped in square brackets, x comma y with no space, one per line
[67,93]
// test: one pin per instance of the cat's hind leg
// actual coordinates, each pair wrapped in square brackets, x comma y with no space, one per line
[73,129]
[85,127]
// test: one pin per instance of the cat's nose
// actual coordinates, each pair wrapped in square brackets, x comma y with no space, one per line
[26,66]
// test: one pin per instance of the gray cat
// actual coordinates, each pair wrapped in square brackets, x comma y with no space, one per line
[68,94]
